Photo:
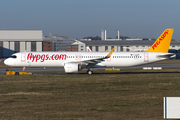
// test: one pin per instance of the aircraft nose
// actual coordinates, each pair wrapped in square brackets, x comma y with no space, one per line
[7,62]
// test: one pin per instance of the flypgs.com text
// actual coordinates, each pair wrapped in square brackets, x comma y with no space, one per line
[43,57]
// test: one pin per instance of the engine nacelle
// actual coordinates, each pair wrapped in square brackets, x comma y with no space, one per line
[72,67]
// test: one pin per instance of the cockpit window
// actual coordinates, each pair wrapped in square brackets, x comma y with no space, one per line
[13,56]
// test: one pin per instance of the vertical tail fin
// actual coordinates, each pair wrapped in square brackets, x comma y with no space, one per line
[88,49]
[162,43]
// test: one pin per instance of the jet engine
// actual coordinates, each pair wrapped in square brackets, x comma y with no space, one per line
[72,67]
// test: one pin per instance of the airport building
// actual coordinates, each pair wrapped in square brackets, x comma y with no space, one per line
[47,46]
[12,41]
[124,45]
[120,44]
[58,43]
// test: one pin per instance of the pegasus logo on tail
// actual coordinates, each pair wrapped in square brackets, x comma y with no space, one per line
[162,43]
[161,38]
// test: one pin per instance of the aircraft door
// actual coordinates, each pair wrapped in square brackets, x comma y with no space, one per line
[25,61]
[23,57]
[146,57]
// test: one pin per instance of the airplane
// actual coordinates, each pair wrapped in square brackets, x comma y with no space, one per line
[75,61]
[88,49]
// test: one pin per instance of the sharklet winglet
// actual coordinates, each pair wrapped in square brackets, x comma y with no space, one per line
[109,55]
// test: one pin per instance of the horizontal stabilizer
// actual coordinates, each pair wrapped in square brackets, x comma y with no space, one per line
[167,56]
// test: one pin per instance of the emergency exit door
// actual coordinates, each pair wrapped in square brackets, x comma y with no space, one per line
[146,57]
[23,57]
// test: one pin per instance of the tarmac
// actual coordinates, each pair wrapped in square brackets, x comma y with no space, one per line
[41,69]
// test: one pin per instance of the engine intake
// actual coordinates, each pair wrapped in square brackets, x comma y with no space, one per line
[72,67]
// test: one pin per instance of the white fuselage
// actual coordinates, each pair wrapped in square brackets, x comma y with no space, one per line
[58,59]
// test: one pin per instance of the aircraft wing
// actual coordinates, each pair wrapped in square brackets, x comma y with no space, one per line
[92,61]
[95,60]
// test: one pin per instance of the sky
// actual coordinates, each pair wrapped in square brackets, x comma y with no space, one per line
[82,18]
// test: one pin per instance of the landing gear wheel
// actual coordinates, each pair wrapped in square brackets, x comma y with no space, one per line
[17,73]
[89,72]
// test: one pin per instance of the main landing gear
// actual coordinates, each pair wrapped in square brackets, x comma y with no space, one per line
[89,72]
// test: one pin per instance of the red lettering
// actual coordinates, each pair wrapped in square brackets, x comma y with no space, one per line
[157,43]
[52,57]
[29,56]
[57,57]
[33,56]
[163,36]
[37,57]
[62,56]
[47,57]
[154,45]
[160,39]
[42,57]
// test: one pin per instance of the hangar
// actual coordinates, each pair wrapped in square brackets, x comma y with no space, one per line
[12,41]
[121,45]
[56,43]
